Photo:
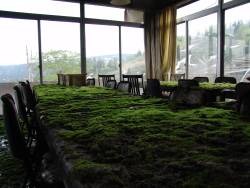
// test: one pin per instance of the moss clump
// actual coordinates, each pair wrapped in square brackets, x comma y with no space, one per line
[203,85]
[137,142]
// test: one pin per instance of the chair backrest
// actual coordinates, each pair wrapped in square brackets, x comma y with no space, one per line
[29,97]
[21,108]
[242,90]
[111,84]
[201,79]
[124,86]
[187,83]
[176,77]
[135,83]
[105,79]
[90,82]
[15,137]
[224,79]
[153,88]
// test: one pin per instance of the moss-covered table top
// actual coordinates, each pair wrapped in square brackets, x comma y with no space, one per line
[115,140]
[203,85]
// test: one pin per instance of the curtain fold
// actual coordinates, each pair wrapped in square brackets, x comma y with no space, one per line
[152,45]
[168,41]
[160,42]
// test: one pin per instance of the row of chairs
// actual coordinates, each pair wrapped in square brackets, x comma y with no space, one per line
[129,83]
[23,132]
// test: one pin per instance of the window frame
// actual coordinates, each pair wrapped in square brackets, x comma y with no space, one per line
[81,20]
[220,10]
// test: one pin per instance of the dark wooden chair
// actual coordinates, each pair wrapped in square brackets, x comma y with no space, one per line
[90,82]
[176,77]
[135,82]
[225,79]
[153,88]
[124,86]
[111,84]
[226,93]
[29,98]
[243,97]
[15,137]
[187,83]
[105,79]
[201,79]
[23,115]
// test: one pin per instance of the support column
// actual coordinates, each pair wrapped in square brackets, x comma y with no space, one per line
[82,39]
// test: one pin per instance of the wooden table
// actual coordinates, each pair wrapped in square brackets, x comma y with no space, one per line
[104,138]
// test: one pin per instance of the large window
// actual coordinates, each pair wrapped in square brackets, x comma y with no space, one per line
[102,50]
[180,67]
[237,42]
[61,49]
[203,47]
[133,60]
[49,7]
[19,49]
[18,53]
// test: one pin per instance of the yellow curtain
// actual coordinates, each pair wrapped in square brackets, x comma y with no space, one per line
[168,41]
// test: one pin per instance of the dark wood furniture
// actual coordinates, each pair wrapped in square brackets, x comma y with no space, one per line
[201,79]
[124,86]
[71,79]
[105,78]
[111,84]
[136,82]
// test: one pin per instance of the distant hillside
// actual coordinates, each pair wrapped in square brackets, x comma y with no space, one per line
[10,73]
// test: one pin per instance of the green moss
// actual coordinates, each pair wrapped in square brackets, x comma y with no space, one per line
[11,171]
[203,85]
[132,141]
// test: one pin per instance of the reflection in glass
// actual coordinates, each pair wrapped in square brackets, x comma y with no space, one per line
[60,49]
[203,47]
[133,56]
[196,7]
[237,42]
[180,67]
[102,50]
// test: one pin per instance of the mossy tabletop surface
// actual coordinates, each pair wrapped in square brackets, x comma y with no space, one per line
[116,140]
[203,85]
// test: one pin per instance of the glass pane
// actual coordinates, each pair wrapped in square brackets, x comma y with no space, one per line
[133,55]
[180,67]
[60,49]
[42,7]
[196,7]
[19,53]
[203,47]
[102,50]
[104,13]
[237,42]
